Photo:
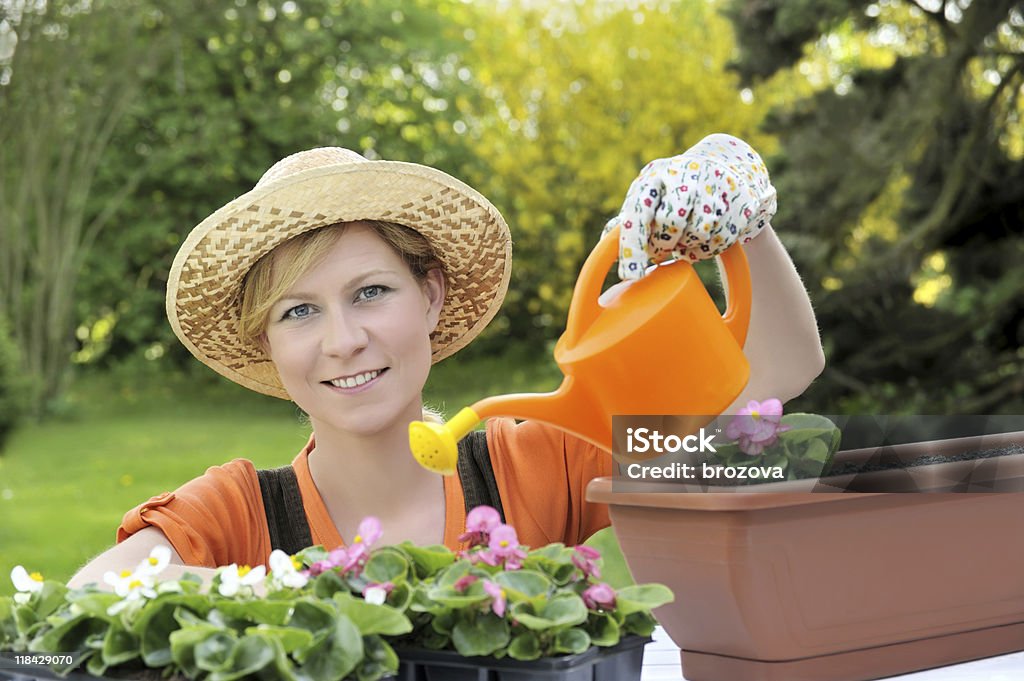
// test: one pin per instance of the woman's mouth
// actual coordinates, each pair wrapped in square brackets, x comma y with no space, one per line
[356,382]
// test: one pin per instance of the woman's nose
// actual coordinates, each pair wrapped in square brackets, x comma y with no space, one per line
[344,335]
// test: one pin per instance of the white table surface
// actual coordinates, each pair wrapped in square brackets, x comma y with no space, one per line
[661,662]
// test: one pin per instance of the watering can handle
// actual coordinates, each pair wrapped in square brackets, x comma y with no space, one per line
[737,275]
[584,308]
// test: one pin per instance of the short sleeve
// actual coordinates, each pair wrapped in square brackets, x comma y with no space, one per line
[542,475]
[213,520]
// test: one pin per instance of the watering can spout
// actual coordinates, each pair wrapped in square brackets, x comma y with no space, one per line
[435,445]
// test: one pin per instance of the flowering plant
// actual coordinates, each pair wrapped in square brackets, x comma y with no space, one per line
[333,614]
[497,598]
[801,444]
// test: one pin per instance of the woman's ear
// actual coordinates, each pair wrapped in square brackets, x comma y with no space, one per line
[434,289]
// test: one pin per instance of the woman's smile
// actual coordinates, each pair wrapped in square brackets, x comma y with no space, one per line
[355,383]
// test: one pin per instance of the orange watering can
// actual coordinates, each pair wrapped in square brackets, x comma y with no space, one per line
[659,348]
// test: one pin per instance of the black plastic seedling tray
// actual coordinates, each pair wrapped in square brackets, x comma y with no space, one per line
[621,662]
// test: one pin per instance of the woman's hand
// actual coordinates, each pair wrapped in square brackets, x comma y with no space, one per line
[694,205]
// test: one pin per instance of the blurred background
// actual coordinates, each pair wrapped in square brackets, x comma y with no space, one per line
[892,129]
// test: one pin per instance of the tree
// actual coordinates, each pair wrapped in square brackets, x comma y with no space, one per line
[576,98]
[166,111]
[902,176]
[54,135]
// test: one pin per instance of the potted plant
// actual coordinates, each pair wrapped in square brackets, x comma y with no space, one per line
[358,612]
[837,586]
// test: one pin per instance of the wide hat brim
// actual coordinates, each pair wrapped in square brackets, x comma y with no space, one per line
[467,232]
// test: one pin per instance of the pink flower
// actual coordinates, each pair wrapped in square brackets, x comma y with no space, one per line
[757,426]
[369,532]
[479,523]
[377,593]
[599,597]
[583,558]
[464,582]
[498,599]
[503,548]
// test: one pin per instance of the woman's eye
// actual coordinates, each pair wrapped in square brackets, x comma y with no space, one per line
[371,292]
[298,312]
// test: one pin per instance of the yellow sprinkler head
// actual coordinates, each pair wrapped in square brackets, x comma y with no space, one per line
[435,445]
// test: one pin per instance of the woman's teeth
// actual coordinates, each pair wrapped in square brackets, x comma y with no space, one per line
[353,381]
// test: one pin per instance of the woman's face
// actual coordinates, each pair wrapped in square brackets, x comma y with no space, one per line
[351,338]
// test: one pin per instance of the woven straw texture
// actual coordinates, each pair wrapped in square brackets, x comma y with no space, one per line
[314,189]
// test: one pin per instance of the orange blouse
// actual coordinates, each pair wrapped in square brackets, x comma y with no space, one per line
[542,474]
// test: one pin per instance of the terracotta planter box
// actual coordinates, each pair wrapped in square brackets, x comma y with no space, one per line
[795,586]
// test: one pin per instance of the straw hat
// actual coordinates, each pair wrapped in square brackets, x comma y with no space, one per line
[320,187]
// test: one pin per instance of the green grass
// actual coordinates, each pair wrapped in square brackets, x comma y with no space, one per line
[65,483]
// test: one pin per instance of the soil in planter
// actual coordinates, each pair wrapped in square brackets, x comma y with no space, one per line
[883,463]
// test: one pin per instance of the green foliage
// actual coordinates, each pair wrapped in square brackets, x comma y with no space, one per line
[206,635]
[578,97]
[614,571]
[318,627]
[450,608]
[900,190]
[14,386]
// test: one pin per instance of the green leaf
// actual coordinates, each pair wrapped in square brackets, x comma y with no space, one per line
[565,610]
[571,641]
[603,629]
[51,598]
[614,570]
[453,573]
[386,565]
[312,554]
[642,597]
[250,655]
[380,659]
[95,665]
[428,560]
[290,638]
[213,652]
[481,637]
[326,584]
[257,611]
[313,616]
[8,624]
[523,584]
[119,646]
[69,635]
[183,645]
[336,655]
[640,623]
[817,451]
[154,627]
[524,646]
[96,604]
[373,619]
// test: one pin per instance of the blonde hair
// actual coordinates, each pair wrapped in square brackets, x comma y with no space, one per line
[275,273]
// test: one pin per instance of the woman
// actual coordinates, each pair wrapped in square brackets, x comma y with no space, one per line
[337,282]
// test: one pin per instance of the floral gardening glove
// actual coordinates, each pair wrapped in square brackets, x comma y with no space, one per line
[694,205]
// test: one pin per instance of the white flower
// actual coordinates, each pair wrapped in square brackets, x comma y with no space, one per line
[284,570]
[232,578]
[375,594]
[158,559]
[26,584]
[130,586]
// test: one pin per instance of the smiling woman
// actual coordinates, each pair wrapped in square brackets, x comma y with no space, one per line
[335,284]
